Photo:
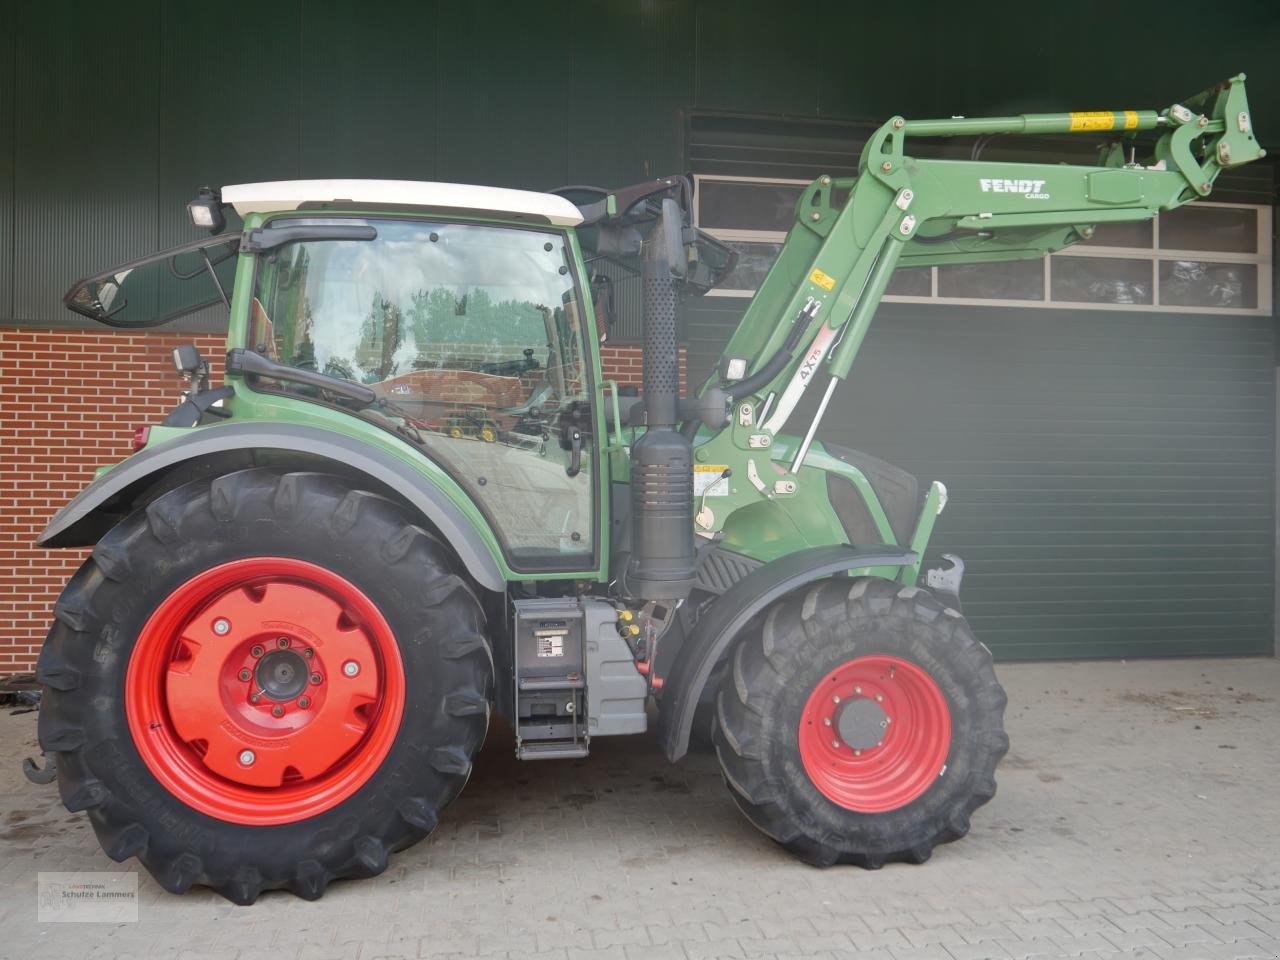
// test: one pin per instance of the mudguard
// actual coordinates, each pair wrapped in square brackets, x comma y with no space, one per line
[96,508]
[719,626]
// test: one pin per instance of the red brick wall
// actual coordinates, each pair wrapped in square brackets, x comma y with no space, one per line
[69,402]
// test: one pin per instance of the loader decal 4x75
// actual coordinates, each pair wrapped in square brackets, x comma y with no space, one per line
[415,502]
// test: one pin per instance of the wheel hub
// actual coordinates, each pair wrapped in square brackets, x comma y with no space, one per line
[282,675]
[240,697]
[861,723]
[875,733]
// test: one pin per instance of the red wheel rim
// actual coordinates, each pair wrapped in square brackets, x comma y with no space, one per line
[875,734]
[220,713]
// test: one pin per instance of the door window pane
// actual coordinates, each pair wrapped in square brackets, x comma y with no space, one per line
[1139,234]
[1100,280]
[1220,229]
[1195,283]
[754,261]
[910,282]
[1011,280]
[734,205]
[471,338]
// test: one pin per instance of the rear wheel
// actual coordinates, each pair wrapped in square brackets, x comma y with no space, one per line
[862,724]
[267,681]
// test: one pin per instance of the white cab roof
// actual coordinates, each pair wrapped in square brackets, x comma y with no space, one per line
[296,194]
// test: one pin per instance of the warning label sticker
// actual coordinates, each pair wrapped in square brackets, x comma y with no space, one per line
[1102,120]
[709,480]
[825,281]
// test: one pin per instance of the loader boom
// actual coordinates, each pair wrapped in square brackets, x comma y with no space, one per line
[816,303]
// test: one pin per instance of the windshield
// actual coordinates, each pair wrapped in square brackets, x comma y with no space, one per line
[471,337]
[159,288]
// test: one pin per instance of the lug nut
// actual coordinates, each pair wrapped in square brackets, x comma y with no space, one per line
[222,626]
[836,744]
[315,678]
[255,697]
[826,721]
[282,642]
[245,674]
[835,699]
[857,753]
[256,650]
[304,702]
[277,711]
[879,698]
[308,653]
[247,757]
[857,690]
[350,668]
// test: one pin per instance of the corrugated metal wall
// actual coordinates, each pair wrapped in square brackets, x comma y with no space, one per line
[111,114]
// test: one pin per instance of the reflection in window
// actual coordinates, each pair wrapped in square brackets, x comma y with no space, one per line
[1193,283]
[737,205]
[472,338]
[754,261]
[1010,280]
[1100,280]
[1140,234]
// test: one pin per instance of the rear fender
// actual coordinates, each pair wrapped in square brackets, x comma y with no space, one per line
[719,626]
[104,502]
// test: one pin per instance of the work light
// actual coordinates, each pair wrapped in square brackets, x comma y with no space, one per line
[206,210]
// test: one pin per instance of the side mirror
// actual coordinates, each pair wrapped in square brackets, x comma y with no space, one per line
[673,237]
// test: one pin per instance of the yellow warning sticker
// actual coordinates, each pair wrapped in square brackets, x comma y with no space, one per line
[709,480]
[1130,119]
[1094,120]
[823,280]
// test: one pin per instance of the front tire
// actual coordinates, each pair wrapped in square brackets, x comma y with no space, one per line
[862,724]
[266,681]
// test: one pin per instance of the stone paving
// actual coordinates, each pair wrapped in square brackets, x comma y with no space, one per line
[1138,815]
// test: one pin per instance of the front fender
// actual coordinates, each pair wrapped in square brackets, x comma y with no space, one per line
[719,626]
[97,507]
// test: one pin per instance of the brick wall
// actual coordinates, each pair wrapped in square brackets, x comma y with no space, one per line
[69,403]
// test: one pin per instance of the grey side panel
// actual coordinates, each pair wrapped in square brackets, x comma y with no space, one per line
[81,522]
[719,626]
[616,693]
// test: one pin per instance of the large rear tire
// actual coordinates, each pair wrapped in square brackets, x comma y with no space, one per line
[862,724]
[265,681]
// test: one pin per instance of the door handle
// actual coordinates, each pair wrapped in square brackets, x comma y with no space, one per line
[575,452]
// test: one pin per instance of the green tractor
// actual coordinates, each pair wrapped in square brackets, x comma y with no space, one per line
[414,502]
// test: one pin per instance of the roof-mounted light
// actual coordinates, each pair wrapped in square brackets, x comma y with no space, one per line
[206,210]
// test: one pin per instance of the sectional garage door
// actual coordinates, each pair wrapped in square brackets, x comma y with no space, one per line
[1111,475]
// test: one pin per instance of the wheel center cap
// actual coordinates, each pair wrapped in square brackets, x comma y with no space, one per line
[281,675]
[861,723]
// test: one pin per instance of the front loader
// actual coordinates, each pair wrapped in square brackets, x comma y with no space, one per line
[414,502]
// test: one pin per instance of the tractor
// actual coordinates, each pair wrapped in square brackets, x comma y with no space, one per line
[414,502]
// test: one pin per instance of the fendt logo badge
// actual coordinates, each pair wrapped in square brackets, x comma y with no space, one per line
[1030,189]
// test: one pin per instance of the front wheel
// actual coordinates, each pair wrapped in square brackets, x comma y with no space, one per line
[862,724]
[267,681]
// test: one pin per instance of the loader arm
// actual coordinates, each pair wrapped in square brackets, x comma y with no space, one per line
[817,301]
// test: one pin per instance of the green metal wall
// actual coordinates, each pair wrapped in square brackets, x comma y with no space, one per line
[112,113]
[1111,474]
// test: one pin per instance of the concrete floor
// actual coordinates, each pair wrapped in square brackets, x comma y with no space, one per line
[1138,815]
